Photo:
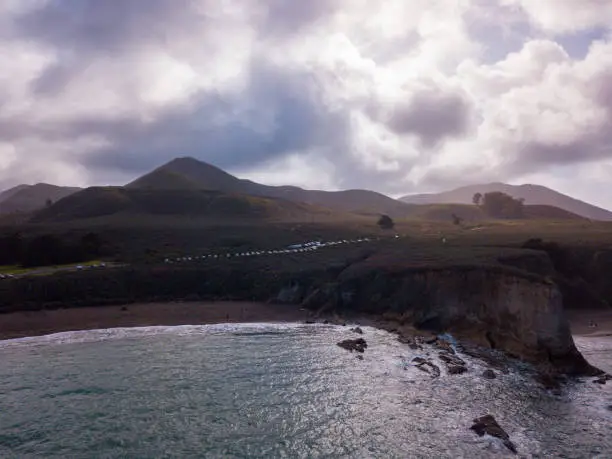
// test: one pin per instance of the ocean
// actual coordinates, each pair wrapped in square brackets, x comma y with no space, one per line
[278,390]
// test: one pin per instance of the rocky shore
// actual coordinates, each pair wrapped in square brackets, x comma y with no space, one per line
[486,305]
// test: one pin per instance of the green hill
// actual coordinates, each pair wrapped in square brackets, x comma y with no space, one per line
[533,195]
[28,198]
[444,212]
[99,202]
[189,173]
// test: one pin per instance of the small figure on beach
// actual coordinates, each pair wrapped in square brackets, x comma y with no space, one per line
[592,324]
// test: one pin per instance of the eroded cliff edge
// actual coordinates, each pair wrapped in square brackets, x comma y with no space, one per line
[505,309]
[488,298]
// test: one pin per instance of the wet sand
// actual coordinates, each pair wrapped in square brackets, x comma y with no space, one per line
[591,323]
[37,323]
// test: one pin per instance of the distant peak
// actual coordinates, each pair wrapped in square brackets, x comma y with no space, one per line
[188,161]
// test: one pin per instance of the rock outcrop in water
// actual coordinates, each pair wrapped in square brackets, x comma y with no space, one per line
[489,426]
[358,344]
[505,309]
[427,366]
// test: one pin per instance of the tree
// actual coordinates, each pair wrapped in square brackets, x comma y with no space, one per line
[385,222]
[501,205]
[477,199]
[456,219]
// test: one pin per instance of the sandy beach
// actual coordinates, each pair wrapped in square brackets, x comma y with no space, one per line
[592,323]
[36,323]
[588,323]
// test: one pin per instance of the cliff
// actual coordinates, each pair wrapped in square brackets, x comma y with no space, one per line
[500,308]
[484,302]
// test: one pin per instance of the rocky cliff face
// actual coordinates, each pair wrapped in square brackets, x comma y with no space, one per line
[504,309]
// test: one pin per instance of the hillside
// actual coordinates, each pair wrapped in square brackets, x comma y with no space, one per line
[28,198]
[6,194]
[470,212]
[99,202]
[532,194]
[189,173]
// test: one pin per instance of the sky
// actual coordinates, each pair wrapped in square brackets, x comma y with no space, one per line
[398,96]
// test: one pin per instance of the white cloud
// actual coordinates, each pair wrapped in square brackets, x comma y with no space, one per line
[566,16]
[395,95]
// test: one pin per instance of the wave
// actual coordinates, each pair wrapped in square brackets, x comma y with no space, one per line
[105,334]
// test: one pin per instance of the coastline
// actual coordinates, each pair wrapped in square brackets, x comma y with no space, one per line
[37,323]
[45,322]
[581,323]
[21,324]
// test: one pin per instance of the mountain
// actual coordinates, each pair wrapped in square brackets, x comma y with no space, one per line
[130,203]
[189,173]
[532,194]
[445,212]
[6,194]
[28,198]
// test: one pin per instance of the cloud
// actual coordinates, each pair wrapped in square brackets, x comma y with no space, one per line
[396,96]
[566,16]
[431,116]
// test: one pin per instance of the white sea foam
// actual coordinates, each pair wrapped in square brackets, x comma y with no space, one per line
[105,334]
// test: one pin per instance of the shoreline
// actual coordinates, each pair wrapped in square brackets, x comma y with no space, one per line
[24,324]
[21,324]
[591,323]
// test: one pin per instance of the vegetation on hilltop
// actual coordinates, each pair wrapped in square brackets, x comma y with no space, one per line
[531,194]
[193,173]
[108,201]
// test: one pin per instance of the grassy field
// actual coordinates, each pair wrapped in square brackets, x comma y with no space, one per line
[581,264]
[18,270]
[147,239]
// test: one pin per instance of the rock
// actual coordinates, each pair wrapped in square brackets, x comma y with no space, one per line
[359,357]
[358,344]
[548,381]
[522,312]
[451,359]
[444,346]
[326,322]
[603,379]
[427,366]
[309,322]
[413,342]
[489,374]
[456,369]
[357,330]
[454,365]
[488,425]
[124,308]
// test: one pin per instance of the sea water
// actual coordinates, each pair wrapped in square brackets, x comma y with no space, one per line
[270,390]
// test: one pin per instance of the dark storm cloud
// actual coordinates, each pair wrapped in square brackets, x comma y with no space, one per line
[83,30]
[291,17]
[432,117]
[95,26]
[301,120]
